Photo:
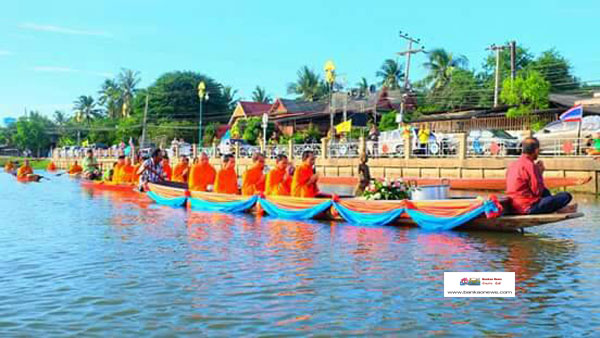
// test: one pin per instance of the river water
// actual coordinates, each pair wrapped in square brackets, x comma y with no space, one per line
[75,262]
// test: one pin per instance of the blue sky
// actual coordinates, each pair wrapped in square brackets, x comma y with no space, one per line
[53,51]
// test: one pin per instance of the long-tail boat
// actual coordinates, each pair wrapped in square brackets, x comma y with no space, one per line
[106,185]
[490,184]
[478,213]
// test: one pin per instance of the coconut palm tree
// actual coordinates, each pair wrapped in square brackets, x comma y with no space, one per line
[85,109]
[441,64]
[229,96]
[363,86]
[260,95]
[111,98]
[59,118]
[308,85]
[391,74]
[127,80]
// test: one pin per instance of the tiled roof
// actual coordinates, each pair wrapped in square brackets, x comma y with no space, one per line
[255,108]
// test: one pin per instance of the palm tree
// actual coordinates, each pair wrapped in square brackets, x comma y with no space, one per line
[85,109]
[111,98]
[441,64]
[127,80]
[391,74]
[308,85]
[229,95]
[59,118]
[363,86]
[260,95]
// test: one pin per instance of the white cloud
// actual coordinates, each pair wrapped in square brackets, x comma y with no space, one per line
[61,30]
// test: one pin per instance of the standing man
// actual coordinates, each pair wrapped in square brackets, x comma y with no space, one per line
[91,170]
[304,182]
[253,180]
[226,181]
[525,184]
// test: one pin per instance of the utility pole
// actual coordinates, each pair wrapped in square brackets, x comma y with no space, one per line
[143,140]
[408,52]
[497,49]
[513,61]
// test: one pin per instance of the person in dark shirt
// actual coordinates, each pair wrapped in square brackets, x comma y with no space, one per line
[525,184]
[364,175]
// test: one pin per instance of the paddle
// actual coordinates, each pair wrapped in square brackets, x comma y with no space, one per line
[59,174]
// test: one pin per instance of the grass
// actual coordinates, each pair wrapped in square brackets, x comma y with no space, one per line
[39,164]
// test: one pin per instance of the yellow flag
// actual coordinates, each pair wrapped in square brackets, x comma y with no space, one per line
[344,127]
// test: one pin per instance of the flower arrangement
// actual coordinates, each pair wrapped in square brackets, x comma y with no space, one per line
[388,190]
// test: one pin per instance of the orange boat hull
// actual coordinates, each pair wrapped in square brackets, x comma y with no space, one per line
[101,185]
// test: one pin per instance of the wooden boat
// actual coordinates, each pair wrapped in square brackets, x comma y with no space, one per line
[75,175]
[491,184]
[29,178]
[104,185]
[180,196]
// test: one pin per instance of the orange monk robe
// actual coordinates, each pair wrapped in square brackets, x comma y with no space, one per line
[226,182]
[51,166]
[135,177]
[253,181]
[300,185]
[276,185]
[167,171]
[179,172]
[75,169]
[8,167]
[24,171]
[201,176]
[116,178]
[126,174]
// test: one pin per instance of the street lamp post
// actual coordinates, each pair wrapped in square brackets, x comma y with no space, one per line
[329,69]
[202,95]
[265,121]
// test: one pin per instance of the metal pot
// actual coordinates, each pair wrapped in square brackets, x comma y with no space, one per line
[431,192]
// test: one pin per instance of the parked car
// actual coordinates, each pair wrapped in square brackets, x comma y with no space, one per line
[391,143]
[555,134]
[482,141]
[227,146]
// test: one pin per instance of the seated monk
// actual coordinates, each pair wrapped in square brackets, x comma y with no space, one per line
[525,184]
[279,180]
[75,168]
[51,166]
[116,175]
[25,170]
[181,170]
[135,177]
[253,180]
[304,182]
[126,172]
[226,180]
[9,167]
[167,171]
[202,175]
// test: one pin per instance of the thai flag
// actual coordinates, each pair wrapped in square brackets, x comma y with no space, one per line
[572,115]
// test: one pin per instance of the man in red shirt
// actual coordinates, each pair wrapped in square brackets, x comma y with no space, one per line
[525,184]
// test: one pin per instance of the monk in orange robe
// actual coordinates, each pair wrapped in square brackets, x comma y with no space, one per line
[304,182]
[75,168]
[117,175]
[253,180]
[135,177]
[279,180]
[126,172]
[202,175]
[226,181]
[25,170]
[181,170]
[167,168]
[9,167]
[51,166]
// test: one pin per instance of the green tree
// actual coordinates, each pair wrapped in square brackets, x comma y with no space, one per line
[103,131]
[127,80]
[528,92]
[363,86]
[522,59]
[260,95]
[111,98]
[441,65]
[31,133]
[229,95]
[388,121]
[86,109]
[309,85]
[555,69]
[210,133]
[60,118]
[461,90]
[391,74]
